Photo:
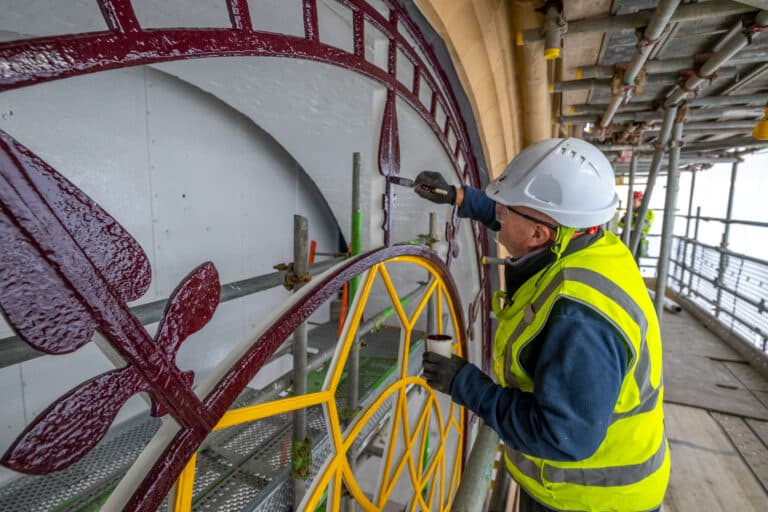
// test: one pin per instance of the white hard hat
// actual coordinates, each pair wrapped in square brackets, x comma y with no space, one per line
[568,179]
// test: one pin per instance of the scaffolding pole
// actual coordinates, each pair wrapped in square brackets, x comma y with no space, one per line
[630,200]
[723,263]
[432,305]
[353,375]
[670,205]
[301,459]
[658,155]
[353,370]
[681,254]
[476,480]
[693,249]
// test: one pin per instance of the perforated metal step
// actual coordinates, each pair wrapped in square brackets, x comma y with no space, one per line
[240,468]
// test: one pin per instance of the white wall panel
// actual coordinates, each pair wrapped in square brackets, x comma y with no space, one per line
[92,130]
[319,113]
[35,18]
[12,419]
[198,169]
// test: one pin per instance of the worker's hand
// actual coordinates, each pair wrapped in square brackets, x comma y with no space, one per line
[439,371]
[432,186]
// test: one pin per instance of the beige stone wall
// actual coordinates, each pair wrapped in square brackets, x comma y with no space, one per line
[507,85]
[479,37]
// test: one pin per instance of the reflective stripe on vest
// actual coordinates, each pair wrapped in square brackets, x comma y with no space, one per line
[595,477]
[648,395]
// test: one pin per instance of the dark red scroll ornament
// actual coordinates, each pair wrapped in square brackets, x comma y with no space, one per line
[67,269]
[389,161]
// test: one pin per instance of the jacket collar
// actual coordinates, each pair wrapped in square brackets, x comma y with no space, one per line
[518,271]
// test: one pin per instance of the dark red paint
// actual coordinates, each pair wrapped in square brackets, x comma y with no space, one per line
[71,426]
[389,142]
[67,268]
[389,161]
[310,20]
[60,323]
[119,15]
[190,307]
[239,15]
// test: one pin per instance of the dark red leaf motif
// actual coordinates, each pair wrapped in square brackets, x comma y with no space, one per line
[68,268]
[74,424]
[389,144]
[38,304]
[44,312]
[190,307]
[111,249]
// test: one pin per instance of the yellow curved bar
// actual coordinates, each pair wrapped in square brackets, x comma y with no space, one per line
[393,295]
[182,496]
[422,304]
[337,466]
[250,413]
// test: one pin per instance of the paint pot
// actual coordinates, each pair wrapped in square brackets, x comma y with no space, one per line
[440,344]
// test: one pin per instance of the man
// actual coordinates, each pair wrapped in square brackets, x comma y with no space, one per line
[577,352]
[642,246]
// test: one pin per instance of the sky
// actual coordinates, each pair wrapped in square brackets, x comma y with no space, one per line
[711,194]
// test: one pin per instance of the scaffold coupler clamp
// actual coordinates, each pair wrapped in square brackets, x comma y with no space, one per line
[291,277]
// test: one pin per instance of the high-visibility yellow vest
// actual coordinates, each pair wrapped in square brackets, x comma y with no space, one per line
[630,469]
[647,221]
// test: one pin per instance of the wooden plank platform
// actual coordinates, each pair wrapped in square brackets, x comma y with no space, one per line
[715,407]
[701,371]
[708,472]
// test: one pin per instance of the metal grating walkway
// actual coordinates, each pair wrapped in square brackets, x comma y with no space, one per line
[241,468]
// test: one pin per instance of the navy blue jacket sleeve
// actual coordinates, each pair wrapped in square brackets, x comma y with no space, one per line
[578,364]
[478,206]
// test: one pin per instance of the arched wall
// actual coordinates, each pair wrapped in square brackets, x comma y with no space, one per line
[480,38]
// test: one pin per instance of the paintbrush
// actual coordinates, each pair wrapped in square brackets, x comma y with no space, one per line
[406,182]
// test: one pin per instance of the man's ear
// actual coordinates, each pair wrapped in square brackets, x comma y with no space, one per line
[540,236]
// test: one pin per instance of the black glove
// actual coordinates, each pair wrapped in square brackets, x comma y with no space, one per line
[432,186]
[439,371]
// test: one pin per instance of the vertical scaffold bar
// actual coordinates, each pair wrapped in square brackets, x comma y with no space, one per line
[693,251]
[681,258]
[356,247]
[625,235]
[658,156]
[476,478]
[670,205]
[432,306]
[723,263]
[302,450]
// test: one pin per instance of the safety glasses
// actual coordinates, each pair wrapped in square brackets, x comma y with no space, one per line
[531,218]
